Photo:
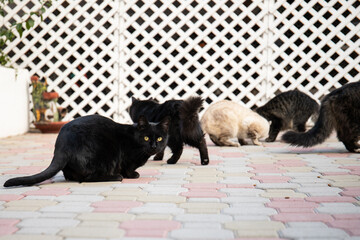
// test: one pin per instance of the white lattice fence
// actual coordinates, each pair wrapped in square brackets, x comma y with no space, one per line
[174,49]
[76,49]
[98,54]
[315,45]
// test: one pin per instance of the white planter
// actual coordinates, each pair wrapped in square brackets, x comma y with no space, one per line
[14,101]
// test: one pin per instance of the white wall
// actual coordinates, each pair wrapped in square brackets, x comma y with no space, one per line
[14,101]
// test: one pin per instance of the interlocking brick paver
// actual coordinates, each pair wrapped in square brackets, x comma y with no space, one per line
[94,232]
[192,233]
[248,192]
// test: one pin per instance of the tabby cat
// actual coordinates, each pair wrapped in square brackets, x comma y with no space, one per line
[95,148]
[288,110]
[340,110]
[184,127]
[226,119]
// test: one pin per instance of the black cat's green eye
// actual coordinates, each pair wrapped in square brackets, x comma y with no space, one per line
[146,138]
[159,139]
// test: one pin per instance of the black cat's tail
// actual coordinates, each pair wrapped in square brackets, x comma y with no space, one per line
[191,132]
[55,166]
[189,115]
[317,134]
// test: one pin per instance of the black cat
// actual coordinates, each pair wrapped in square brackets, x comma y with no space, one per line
[340,110]
[95,148]
[288,110]
[184,126]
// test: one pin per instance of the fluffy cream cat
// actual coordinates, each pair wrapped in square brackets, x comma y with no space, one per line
[226,119]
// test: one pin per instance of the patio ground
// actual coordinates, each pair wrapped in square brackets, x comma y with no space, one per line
[270,192]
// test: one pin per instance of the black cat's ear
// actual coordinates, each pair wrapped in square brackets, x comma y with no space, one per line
[142,122]
[165,123]
[133,99]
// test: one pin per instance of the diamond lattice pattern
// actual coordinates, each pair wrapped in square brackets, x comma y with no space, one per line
[98,54]
[74,48]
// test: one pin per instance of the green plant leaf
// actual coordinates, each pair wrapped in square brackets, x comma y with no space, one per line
[20,29]
[29,23]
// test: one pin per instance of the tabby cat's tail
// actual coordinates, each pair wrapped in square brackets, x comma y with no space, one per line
[49,172]
[317,134]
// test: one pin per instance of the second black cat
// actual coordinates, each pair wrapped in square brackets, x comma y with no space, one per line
[288,110]
[184,127]
[95,148]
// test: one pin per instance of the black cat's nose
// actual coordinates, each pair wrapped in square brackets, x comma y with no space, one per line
[153,146]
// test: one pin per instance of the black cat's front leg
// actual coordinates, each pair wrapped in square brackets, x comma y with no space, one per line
[177,149]
[159,156]
[204,156]
[275,128]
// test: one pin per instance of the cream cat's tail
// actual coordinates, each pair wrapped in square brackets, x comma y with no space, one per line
[317,134]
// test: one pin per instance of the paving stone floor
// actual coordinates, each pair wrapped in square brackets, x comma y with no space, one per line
[250,192]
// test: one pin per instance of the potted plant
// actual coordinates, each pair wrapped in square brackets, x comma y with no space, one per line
[14,82]
[48,114]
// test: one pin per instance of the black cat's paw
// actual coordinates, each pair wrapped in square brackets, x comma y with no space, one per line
[204,161]
[158,158]
[172,161]
[133,175]
[269,140]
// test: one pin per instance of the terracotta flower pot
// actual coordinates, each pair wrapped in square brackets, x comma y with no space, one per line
[49,127]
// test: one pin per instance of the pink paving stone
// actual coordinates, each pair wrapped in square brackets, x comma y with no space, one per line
[302,217]
[203,194]
[346,216]
[7,230]
[351,192]
[53,191]
[139,180]
[10,197]
[150,224]
[240,186]
[26,170]
[8,222]
[115,206]
[295,210]
[346,224]
[335,155]
[272,179]
[325,199]
[354,232]
[7,226]
[204,185]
